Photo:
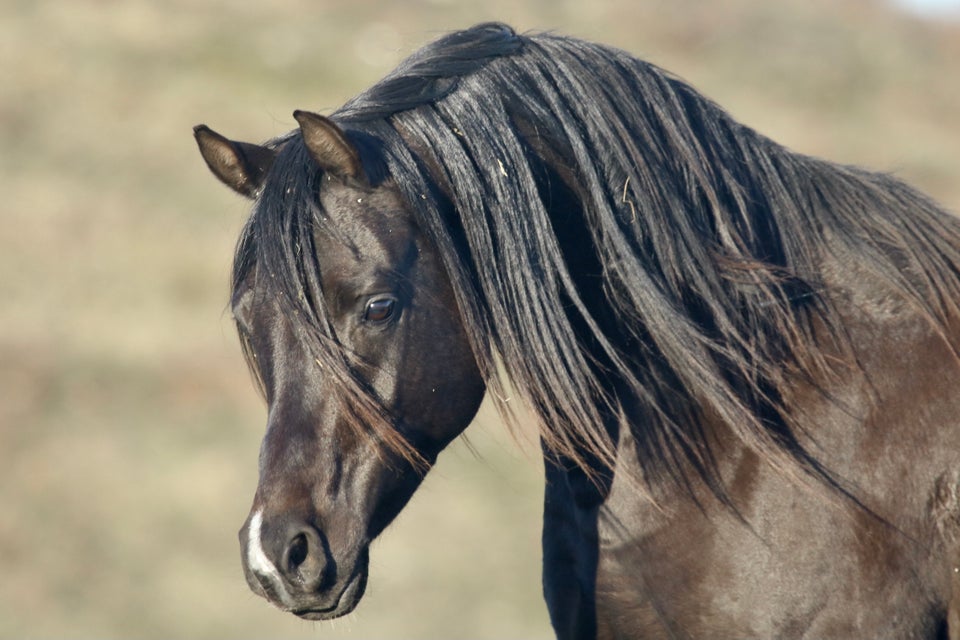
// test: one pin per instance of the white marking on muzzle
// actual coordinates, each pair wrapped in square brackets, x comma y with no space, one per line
[260,564]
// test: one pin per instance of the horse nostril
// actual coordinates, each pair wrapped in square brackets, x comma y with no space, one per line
[305,559]
[297,553]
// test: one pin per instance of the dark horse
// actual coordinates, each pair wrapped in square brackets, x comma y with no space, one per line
[743,361]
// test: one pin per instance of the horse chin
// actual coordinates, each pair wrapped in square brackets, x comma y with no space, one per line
[348,600]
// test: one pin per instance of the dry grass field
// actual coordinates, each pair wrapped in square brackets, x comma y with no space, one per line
[128,427]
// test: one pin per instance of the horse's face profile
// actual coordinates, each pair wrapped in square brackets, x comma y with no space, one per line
[327,488]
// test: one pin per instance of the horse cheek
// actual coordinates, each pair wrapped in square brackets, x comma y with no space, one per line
[450,389]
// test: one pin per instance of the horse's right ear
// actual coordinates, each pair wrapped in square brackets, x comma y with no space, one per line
[240,165]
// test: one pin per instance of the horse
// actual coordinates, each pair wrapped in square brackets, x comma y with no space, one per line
[742,361]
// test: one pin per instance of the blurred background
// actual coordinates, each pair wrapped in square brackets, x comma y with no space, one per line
[129,429]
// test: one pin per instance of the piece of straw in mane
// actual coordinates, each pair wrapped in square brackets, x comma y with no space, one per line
[631,255]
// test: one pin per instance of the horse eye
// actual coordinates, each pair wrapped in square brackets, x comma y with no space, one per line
[379,310]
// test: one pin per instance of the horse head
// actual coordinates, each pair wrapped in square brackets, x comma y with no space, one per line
[364,362]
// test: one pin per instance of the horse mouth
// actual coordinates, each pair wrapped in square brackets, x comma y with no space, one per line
[346,603]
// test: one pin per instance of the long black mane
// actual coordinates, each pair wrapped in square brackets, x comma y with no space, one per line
[620,247]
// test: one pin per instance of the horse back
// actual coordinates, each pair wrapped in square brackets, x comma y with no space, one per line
[785,558]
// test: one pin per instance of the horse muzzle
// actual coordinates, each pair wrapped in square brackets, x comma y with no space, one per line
[289,562]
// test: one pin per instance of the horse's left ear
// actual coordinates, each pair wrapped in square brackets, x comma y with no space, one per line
[329,146]
[240,165]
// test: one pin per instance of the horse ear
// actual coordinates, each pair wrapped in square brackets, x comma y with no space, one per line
[329,146]
[239,165]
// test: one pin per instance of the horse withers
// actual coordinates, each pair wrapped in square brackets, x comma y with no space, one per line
[742,360]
